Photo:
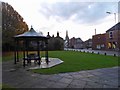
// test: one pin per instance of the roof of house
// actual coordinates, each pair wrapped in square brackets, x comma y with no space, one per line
[115,27]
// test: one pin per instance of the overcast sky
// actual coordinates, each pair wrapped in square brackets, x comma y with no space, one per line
[78,17]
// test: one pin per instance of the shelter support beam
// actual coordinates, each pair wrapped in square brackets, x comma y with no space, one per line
[15,52]
[46,54]
[24,53]
[38,52]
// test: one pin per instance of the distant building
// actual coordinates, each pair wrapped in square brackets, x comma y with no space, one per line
[87,44]
[55,43]
[76,43]
[108,41]
[99,42]
[72,42]
[66,42]
[113,38]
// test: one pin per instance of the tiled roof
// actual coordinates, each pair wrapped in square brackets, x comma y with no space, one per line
[115,27]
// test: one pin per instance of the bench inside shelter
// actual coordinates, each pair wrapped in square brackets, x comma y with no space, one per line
[34,57]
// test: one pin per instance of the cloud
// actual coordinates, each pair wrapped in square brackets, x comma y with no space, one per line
[80,12]
[61,9]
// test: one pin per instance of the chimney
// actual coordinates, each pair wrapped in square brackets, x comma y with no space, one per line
[48,35]
[57,34]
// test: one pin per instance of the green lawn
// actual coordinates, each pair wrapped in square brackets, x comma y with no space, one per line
[73,61]
[6,87]
[76,61]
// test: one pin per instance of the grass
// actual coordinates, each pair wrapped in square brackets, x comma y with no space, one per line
[73,61]
[7,56]
[76,61]
[6,87]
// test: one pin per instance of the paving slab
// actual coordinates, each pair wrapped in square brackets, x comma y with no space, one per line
[65,80]
[55,78]
[59,85]
[22,78]
[52,62]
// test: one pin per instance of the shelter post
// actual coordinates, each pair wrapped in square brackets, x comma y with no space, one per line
[46,43]
[24,53]
[26,48]
[38,52]
[15,52]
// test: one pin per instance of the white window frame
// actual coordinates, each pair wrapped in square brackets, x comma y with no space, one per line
[110,34]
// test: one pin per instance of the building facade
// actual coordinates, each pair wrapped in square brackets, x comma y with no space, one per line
[72,42]
[113,38]
[109,40]
[99,42]
[88,44]
[76,43]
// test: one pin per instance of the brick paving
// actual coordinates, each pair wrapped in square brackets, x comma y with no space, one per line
[19,77]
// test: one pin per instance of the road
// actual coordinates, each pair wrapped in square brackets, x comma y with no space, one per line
[116,53]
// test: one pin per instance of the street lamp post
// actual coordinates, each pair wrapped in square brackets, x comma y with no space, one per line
[115,18]
[114,14]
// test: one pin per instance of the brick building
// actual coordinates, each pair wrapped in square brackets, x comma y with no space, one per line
[113,38]
[76,43]
[109,40]
[99,42]
[87,44]
[72,42]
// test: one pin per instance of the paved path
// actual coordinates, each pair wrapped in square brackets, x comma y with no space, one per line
[19,77]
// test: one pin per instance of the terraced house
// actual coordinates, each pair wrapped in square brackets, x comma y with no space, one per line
[109,40]
[99,42]
[113,38]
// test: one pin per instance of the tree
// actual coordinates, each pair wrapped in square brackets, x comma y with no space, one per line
[12,24]
[56,43]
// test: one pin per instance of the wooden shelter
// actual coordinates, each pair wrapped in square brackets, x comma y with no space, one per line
[26,38]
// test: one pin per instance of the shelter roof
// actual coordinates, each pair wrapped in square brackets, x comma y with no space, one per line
[30,34]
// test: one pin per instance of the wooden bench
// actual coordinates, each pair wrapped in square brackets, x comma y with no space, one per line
[34,57]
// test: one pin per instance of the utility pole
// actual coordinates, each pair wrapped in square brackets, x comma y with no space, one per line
[95,31]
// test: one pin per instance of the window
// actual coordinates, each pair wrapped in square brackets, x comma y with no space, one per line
[109,45]
[102,45]
[98,47]
[111,34]
[114,45]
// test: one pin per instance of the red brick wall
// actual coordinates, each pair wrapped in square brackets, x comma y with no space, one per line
[116,39]
[98,41]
